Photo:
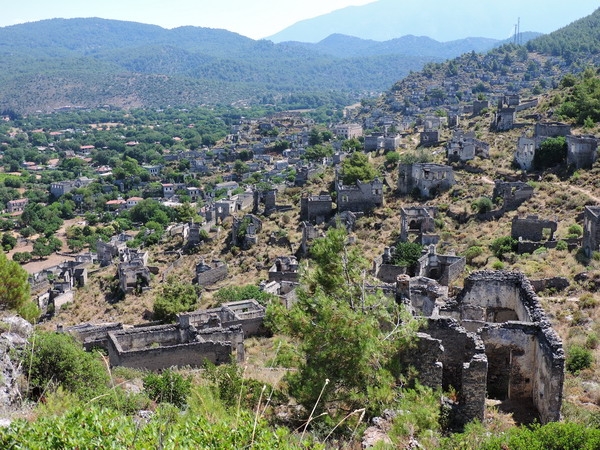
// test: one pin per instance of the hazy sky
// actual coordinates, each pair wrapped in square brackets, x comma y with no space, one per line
[253,18]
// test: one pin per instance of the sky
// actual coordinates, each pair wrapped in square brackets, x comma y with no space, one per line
[255,19]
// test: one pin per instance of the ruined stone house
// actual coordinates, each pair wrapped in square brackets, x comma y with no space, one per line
[582,151]
[316,208]
[244,232]
[362,197]
[445,269]
[525,153]
[429,138]
[214,335]
[479,106]
[107,251]
[285,268]
[533,233]
[505,115]
[526,146]
[425,179]
[133,272]
[512,194]
[492,337]
[211,273]
[591,230]
[419,220]
[267,198]
[465,147]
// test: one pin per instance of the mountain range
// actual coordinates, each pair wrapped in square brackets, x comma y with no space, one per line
[441,20]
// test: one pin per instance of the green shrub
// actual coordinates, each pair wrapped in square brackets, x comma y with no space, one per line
[587,300]
[59,358]
[592,340]
[482,205]
[407,253]
[473,252]
[502,245]
[561,246]
[169,387]
[498,265]
[578,359]
[576,229]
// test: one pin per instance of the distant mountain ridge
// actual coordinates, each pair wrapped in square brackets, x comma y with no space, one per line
[441,20]
[341,46]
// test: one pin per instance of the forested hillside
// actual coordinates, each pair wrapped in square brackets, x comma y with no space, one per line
[95,62]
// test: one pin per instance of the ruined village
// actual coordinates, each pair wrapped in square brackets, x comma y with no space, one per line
[450,176]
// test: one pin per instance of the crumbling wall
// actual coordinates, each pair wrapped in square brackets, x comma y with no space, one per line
[316,208]
[512,193]
[193,354]
[582,151]
[464,367]
[591,230]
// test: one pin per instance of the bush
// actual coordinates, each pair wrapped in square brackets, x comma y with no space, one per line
[561,246]
[59,358]
[576,229]
[169,387]
[473,252]
[578,359]
[502,245]
[176,297]
[498,265]
[482,205]
[587,300]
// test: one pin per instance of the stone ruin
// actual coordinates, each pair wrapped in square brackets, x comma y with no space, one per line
[591,230]
[582,151]
[206,335]
[107,251]
[362,197]
[211,273]
[533,233]
[444,269]
[133,271]
[504,117]
[527,146]
[492,337]
[285,268]
[512,194]
[464,146]
[316,209]
[425,179]
[267,198]
[420,220]
[245,231]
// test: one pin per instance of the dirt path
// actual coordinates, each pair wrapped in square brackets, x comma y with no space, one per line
[584,191]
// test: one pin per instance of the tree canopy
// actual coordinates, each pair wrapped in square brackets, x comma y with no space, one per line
[357,167]
[14,288]
[349,338]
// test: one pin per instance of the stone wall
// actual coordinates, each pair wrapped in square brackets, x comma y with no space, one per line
[512,193]
[316,208]
[582,151]
[427,178]
[591,230]
[464,367]
[362,197]
[531,228]
[211,274]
